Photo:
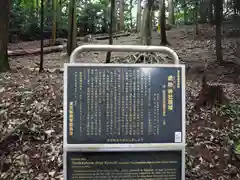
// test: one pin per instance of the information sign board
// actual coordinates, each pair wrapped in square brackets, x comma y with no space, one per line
[160,165]
[118,104]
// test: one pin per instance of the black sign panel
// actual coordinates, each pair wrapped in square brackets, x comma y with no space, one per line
[124,105]
[165,165]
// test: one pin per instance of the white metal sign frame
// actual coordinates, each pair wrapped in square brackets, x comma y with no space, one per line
[124,147]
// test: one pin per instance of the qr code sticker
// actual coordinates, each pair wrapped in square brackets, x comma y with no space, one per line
[178,137]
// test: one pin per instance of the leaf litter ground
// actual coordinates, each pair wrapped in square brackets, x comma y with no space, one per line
[33,103]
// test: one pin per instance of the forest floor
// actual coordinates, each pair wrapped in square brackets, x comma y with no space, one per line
[33,103]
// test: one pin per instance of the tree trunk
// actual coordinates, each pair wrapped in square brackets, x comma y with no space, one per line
[185,11]
[159,15]
[106,17]
[203,11]
[235,7]
[113,16]
[42,36]
[46,50]
[72,27]
[143,24]
[139,9]
[122,15]
[48,12]
[163,25]
[131,18]
[146,24]
[59,12]
[196,17]
[218,19]
[4,28]
[149,22]
[37,8]
[115,35]
[210,11]
[108,56]
[105,21]
[115,19]
[171,11]
[54,22]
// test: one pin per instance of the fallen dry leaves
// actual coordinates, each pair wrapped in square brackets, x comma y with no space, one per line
[34,151]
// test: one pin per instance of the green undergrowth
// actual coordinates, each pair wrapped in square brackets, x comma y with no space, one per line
[238,146]
[232,111]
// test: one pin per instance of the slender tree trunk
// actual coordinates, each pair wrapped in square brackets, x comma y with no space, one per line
[48,5]
[139,9]
[171,11]
[115,21]
[210,11]
[4,29]
[196,17]
[185,11]
[159,15]
[72,27]
[203,11]
[37,8]
[122,15]
[235,7]
[42,36]
[59,12]
[144,25]
[149,23]
[105,24]
[131,18]
[54,22]
[114,16]
[163,25]
[108,56]
[218,22]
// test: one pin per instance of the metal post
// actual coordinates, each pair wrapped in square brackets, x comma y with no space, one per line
[124,48]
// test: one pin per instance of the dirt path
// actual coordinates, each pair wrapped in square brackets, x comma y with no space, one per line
[177,38]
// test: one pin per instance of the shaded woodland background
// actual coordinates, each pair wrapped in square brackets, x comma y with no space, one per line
[37,37]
